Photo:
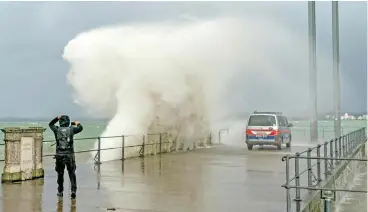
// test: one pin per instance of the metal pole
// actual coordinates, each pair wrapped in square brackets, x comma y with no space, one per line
[319,179]
[340,145]
[336,149]
[312,70]
[326,161]
[143,141]
[209,138]
[122,147]
[336,70]
[309,166]
[327,201]
[160,143]
[219,136]
[98,162]
[99,150]
[288,202]
[331,153]
[348,144]
[344,146]
[297,184]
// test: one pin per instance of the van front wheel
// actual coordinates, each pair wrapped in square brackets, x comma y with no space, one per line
[289,143]
[279,144]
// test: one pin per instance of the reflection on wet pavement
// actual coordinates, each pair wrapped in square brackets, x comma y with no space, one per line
[219,179]
[60,206]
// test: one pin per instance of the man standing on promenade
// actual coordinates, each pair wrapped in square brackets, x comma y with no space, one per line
[64,156]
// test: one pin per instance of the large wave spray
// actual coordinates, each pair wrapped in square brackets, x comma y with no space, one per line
[177,76]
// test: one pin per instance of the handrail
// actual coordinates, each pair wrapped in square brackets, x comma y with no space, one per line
[329,156]
[160,140]
[295,129]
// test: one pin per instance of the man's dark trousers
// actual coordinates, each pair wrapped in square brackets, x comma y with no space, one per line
[67,160]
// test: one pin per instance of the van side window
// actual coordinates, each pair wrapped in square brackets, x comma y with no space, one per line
[281,121]
[285,121]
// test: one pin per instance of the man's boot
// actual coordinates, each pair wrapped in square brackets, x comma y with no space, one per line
[60,194]
[60,191]
[73,195]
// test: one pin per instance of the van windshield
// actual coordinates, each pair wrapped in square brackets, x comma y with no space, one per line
[262,120]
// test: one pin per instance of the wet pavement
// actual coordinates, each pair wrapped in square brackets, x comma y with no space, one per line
[215,180]
[354,201]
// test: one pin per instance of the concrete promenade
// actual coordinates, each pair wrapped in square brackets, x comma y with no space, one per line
[356,202]
[225,178]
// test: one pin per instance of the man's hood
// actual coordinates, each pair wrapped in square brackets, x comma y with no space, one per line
[64,121]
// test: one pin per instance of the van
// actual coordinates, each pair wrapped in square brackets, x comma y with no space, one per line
[268,128]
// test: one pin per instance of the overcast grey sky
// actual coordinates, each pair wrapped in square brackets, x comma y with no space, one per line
[33,35]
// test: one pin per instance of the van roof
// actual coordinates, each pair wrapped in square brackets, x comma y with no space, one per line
[269,113]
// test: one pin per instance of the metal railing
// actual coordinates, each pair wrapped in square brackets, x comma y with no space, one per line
[320,162]
[147,144]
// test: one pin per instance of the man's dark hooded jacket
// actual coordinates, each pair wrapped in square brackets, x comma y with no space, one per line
[65,156]
[64,121]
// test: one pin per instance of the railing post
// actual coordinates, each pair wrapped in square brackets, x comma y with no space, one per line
[209,138]
[143,139]
[309,167]
[336,149]
[344,146]
[98,151]
[288,201]
[328,198]
[319,179]
[122,147]
[331,154]
[325,155]
[160,143]
[297,183]
[357,138]
[340,138]
[219,136]
[348,144]
[363,142]
[352,141]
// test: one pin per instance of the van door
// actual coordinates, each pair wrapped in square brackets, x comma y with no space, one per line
[285,129]
[281,123]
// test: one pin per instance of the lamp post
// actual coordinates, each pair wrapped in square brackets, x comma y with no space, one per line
[312,71]
[336,68]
